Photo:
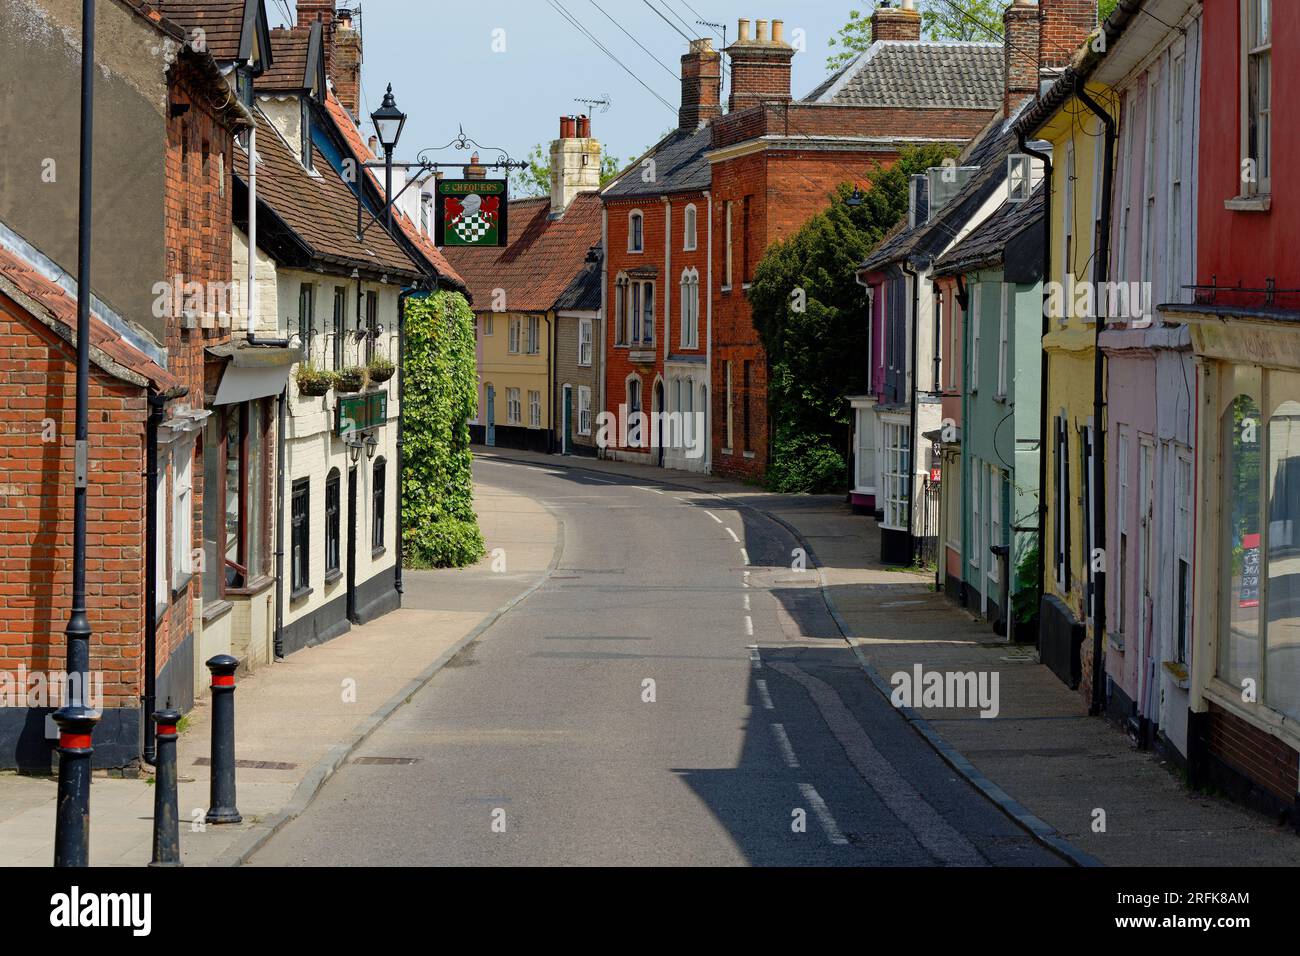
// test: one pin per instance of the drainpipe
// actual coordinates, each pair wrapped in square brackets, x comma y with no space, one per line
[279,522]
[914,445]
[1101,274]
[149,754]
[550,386]
[1046,159]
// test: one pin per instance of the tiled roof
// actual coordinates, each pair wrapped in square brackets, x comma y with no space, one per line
[918,76]
[680,166]
[289,49]
[320,209]
[360,152]
[542,259]
[583,293]
[222,22]
[986,243]
[51,304]
[988,150]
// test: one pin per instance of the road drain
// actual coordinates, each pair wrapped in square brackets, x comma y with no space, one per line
[386,761]
[251,764]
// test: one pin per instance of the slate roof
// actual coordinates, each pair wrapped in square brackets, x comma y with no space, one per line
[583,293]
[925,75]
[222,22]
[320,209]
[986,243]
[360,152]
[289,56]
[543,257]
[988,150]
[52,305]
[680,166]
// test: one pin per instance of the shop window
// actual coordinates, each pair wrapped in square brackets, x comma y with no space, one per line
[1242,432]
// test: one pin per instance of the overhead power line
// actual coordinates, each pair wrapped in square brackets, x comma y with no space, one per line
[573,21]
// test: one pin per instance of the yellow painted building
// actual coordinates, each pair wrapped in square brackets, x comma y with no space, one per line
[1077,140]
[514,349]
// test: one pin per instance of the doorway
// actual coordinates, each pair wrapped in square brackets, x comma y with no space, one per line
[490,432]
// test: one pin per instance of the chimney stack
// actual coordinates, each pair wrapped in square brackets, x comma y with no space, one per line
[575,162]
[760,68]
[1063,25]
[347,64]
[893,23]
[309,11]
[1019,54]
[701,86]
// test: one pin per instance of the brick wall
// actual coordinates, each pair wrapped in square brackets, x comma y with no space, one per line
[1063,26]
[38,376]
[1256,754]
[891,23]
[199,245]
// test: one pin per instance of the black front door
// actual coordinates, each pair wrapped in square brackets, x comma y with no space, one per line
[352,545]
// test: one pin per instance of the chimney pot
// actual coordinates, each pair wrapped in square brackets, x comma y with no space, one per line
[742,30]
[778,31]
[760,31]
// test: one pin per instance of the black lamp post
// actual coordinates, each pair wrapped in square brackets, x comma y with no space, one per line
[388,120]
[76,721]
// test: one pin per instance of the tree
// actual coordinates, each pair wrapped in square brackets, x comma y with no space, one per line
[810,314]
[535,179]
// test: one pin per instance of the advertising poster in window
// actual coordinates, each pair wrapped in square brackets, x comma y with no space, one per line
[1248,594]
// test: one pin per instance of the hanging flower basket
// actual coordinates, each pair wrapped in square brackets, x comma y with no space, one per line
[380,370]
[314,382]
[351,379]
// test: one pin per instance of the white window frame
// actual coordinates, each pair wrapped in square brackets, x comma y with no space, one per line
[1122,531]
[534,335]
[1251,53]
[584,343]
[726,238]
[1003,333]
[514,409]
[690,310]
[1174,186]
[487,323]
[976,557]
[182,514]
[584,410]
[975,296]
[1150,227]
[897,473]
[161,592]
[690,227]
[534,408]
[516,335]
[636,233]
[995,521]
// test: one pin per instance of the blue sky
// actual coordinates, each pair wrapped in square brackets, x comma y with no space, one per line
[438,55]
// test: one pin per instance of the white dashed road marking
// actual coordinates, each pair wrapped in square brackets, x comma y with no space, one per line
[754,657]
[783,743]
[733,536]
[713,516]
[764,695]
[749,626]
[823,814]
[744,554]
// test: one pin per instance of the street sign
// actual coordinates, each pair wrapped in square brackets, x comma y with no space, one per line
[470,212]
[354,413]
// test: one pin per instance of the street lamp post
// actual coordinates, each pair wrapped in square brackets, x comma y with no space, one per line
[75,720]
[389,120]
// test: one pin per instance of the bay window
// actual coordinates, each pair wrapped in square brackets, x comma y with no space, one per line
[897,448]
[236,500]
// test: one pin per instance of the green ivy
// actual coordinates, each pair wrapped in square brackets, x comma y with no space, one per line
[441,396]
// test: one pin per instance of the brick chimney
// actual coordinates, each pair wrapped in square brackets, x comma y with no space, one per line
[895,23]
[701,86]
[1019,53]
[1063,25]
[309,11]
[760,67]
[575,162]
[347,64]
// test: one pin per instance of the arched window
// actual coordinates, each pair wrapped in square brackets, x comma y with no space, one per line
[688,225]
[621,308]
[635,231]
[634,424]
[690,309]
[332,511]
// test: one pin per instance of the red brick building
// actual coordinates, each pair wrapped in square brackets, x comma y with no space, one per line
[656,278]
[775,162]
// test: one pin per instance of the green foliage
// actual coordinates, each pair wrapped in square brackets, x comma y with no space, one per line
[535,179]
[441,528]
[853,38]
[816,353]
[1105,8]
[1024,603]
[806,464]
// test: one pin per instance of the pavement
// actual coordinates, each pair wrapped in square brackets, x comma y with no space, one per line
[303,717]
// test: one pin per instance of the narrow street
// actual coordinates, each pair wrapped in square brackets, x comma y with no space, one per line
[535,746]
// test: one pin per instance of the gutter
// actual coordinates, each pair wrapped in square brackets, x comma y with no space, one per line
[1046,158]
[1101,273]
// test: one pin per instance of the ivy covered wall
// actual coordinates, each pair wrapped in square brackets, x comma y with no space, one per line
[441,528]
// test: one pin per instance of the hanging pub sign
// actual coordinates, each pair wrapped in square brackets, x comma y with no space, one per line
[470,212]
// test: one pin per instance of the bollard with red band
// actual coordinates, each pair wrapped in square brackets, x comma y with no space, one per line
[223,740]
[166,818]
[76,724]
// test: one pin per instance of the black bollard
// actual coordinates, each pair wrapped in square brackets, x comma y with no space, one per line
[223,740]
[166,820]
[72,814]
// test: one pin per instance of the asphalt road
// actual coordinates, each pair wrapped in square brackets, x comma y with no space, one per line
[674,694]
